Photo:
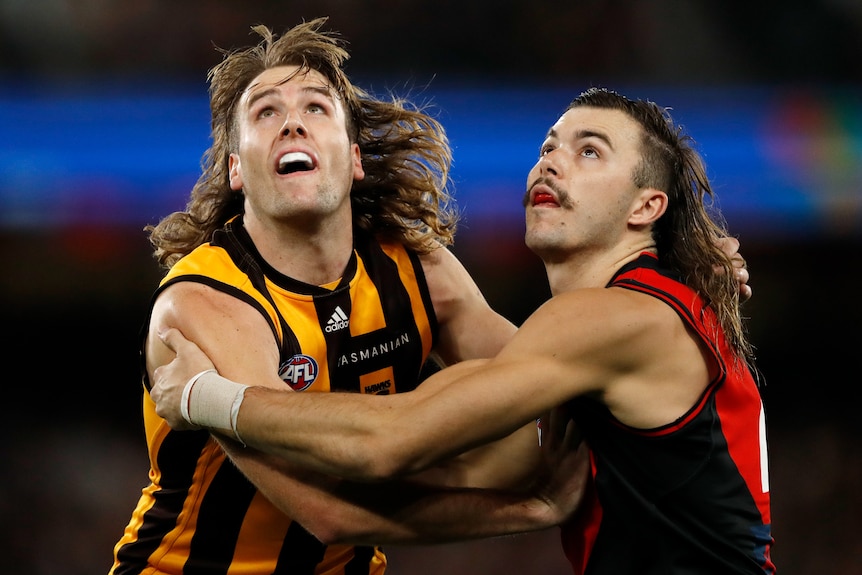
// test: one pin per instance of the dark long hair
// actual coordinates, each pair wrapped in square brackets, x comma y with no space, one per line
[686,234]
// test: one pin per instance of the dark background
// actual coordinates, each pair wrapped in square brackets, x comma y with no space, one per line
[103,119]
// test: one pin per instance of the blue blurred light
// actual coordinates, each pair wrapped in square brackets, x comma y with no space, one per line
[130,156]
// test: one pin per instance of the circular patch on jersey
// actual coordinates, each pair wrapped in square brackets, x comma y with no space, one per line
[299,372]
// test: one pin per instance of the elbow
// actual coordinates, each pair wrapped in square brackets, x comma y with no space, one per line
[384,458]
[332,531]
[379,465]
[334,528]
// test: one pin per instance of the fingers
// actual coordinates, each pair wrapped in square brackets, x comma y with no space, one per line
[742,276]
[730,246]
[173,338]
[745,292]
[573,438]
[554,429]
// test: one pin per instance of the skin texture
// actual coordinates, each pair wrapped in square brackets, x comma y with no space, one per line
[301,224]
[585,219]
[285,111]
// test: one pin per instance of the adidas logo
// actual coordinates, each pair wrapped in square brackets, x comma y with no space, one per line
[337,321]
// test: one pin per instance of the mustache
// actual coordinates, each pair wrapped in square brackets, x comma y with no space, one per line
[561,194]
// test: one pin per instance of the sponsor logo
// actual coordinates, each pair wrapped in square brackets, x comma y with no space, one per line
[338,320]
[373,351]
[299,372]
[381,388]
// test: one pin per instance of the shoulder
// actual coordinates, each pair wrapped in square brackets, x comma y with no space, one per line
[233,333]
[629,348]
[193,305]
[447,278]
[610,325]
[596,303]
[204,260]
[469,327]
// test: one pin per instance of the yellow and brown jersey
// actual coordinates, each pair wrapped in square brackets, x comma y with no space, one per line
[371,333]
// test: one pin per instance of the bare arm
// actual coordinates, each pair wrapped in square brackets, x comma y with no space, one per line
[471,329]
[234,335]
[603,342]
[241,343]
[226,328]
[406,512]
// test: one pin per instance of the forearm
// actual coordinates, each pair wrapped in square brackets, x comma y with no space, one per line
[330,508]
[441,516]
[367,438]
[364,438]
[398,512]
[280,423]
[287,425]
[509,464]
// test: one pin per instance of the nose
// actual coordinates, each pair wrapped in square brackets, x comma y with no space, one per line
[546,166]
[293,124]
[543,169]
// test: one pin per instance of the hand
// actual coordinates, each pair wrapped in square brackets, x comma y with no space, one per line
[567,466]
[170,380]
[730,246]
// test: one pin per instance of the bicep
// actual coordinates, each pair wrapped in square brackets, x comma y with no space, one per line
[472,404]
[563,350]
[469,327]
[235,336]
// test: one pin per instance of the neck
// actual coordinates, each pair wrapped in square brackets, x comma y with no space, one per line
[583,269]
[311,254]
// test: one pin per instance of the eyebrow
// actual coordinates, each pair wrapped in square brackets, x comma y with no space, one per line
[322,90]
[582,134]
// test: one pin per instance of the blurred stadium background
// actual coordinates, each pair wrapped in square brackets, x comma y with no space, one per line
[104,117]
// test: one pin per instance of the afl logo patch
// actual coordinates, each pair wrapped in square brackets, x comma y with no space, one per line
[299,372]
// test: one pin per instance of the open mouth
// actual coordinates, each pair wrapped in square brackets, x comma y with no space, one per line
[293,162]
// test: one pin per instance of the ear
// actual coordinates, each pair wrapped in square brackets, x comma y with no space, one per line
[358,170]
[648,206]
[235,172]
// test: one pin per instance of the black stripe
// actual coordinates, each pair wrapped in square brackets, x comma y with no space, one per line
[301,552]
[361,562]
[242,251]
[339,341]
[220,518]
[216,285]
[395,299]
[428,304]
[178,456]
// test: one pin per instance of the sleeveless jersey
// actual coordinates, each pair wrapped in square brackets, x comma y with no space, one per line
[688,497]
[371,334]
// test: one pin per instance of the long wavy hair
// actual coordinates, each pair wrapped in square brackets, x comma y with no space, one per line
[406,156]
[685,235]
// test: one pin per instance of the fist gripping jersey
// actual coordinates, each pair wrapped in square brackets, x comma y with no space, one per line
[371,333]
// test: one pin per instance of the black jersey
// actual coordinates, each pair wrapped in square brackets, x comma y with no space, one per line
[691,497]
[370,334]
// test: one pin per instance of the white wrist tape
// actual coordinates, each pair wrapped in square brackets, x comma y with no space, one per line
[212,401]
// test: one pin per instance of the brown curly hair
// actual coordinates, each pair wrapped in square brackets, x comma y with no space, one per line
[406,156]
